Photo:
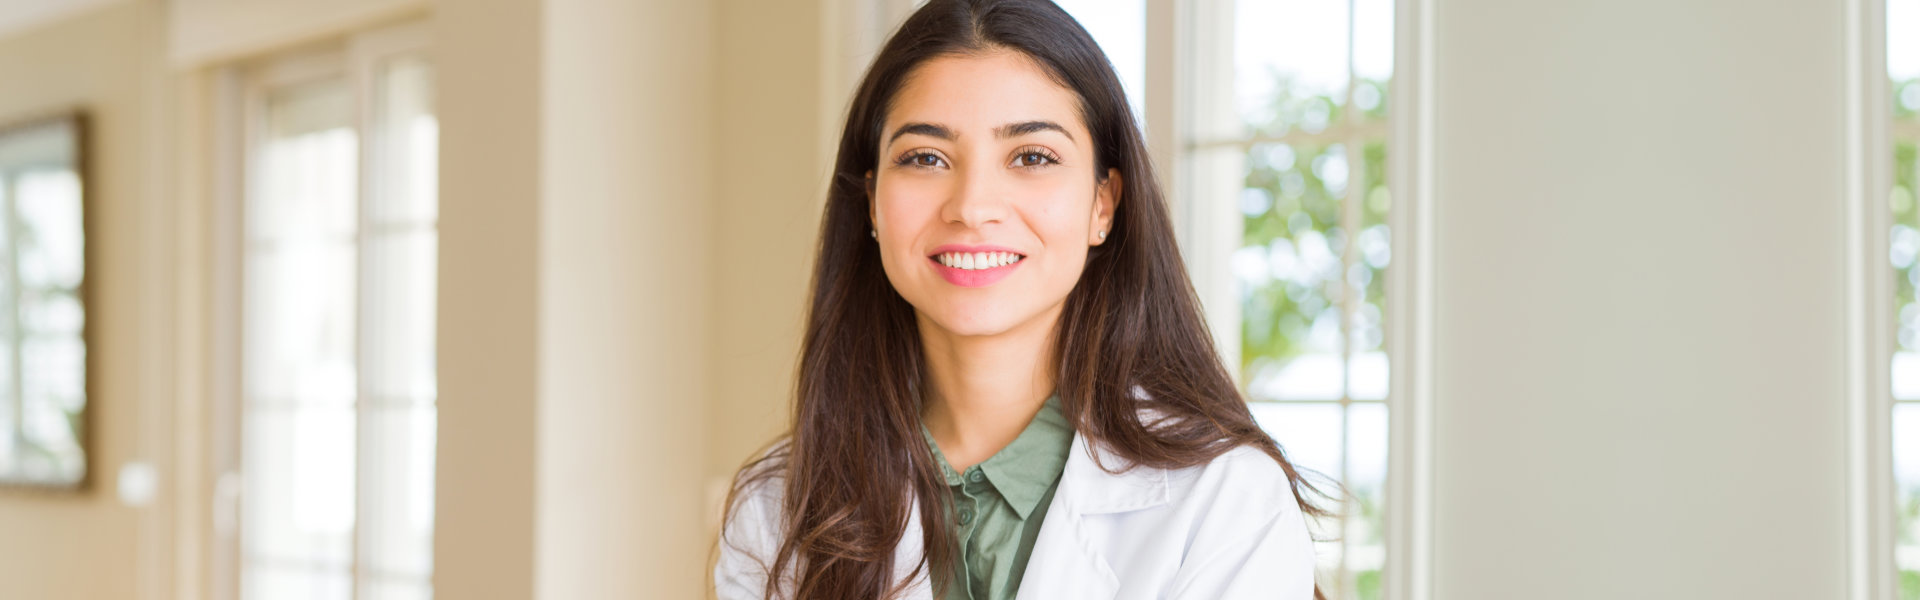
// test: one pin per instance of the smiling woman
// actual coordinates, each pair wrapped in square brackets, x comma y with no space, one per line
[1006,386]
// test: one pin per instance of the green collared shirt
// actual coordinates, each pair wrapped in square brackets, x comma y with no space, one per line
[998,505]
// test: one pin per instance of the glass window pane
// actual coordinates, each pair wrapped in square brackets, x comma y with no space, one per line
[1289,269]
[1906,469]
[1366,482]
[1290,63]
[299,476]
[402,323]
[300,321]
[1903,248]
[1372,56]
[1120,27]
[1309,433]
[307,165]
[401,518]
[408,151]
[1903,47]
[277,582]
[392,589]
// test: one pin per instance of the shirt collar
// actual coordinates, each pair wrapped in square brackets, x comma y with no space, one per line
[1023,471]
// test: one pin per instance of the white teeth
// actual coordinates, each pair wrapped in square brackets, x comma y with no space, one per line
[978,260]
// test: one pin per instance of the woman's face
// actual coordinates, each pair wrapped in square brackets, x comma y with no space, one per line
[986,199]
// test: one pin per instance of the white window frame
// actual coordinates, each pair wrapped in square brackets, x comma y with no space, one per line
[1189,53]
[1871,574]
[237,96]
[1180,62]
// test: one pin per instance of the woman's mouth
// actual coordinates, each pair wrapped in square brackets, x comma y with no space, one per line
[975,269]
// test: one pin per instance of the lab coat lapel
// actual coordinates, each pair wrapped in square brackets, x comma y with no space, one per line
[907,555]
[1065,562]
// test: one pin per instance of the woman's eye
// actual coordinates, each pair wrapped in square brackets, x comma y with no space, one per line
[1032,159]
[921,159]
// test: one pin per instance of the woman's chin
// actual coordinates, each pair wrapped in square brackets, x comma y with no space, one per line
[973,323]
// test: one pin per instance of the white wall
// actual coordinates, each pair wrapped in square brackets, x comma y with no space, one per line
[1639,326]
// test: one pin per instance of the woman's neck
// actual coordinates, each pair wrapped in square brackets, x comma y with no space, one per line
[985,389]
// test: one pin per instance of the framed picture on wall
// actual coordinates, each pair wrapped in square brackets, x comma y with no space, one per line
[43,293]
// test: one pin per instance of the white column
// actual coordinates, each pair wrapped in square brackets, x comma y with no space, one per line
[575,192]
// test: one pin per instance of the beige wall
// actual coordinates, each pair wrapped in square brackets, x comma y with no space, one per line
[1638,362]
[670,191]
[771,167]
[88,545]
[488,56]
[570,146]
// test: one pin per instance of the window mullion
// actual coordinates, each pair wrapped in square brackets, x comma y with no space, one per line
[366,361]
[16,362]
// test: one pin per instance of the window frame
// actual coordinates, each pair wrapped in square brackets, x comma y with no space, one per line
[1189,59]
[238,93]
[1869,290]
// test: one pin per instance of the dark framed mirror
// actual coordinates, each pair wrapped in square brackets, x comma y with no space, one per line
[43,322]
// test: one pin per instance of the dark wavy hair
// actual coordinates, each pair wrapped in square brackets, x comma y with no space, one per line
[1131,334]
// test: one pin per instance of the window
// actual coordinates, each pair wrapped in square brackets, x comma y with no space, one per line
[337,273]
[1903,67]
[1309,91]
[1286,144]
[1120,27]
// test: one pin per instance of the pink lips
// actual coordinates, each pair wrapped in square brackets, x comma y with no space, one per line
[973,277]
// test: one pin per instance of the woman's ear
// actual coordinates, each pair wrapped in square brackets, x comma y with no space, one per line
[869,187]
[1105,200]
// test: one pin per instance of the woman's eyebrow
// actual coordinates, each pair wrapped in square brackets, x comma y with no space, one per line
[1010,130]
[926,129]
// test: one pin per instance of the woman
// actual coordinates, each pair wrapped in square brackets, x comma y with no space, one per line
[1002,337]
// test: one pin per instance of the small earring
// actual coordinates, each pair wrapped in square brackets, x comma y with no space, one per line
[1103,234]
[873,233]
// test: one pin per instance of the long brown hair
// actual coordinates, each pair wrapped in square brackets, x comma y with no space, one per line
[1131,334]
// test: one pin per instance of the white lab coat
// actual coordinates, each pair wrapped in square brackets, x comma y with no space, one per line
[1227,529]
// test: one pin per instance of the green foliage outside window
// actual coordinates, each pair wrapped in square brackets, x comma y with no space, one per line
[1292,203]
[1905,248]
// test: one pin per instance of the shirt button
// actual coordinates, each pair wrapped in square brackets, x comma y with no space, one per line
[976,476]
[966,516]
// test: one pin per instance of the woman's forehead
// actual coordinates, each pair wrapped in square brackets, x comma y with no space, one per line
[976,94]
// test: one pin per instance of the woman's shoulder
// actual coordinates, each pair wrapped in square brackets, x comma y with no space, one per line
[762,480]
[751,527]
[1243,470]
[1244,479]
